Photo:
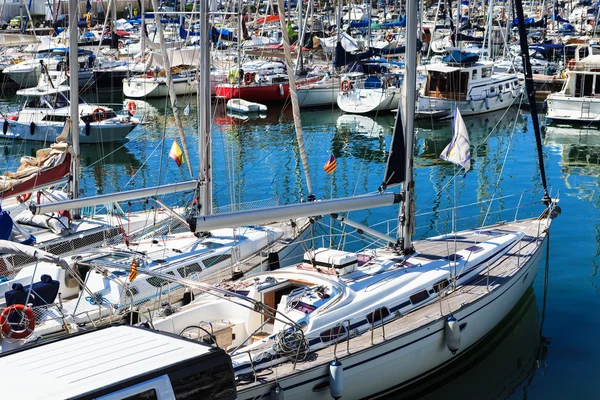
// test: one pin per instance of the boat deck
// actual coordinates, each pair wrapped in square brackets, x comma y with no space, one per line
[260,260]
[499,272]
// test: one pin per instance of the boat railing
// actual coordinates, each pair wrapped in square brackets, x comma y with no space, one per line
[523,202]
[378,312]
[339,327]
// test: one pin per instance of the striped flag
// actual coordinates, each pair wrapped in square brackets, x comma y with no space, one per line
[176,154]
[330,165]
[133,270]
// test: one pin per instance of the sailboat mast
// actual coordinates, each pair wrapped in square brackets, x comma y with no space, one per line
[293,94]
[74,99]
[204,113]
[408,104]
[172,95]
[530,88]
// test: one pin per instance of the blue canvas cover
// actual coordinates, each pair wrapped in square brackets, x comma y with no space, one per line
[460,57]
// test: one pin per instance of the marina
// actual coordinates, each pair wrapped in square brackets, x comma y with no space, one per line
[299,199]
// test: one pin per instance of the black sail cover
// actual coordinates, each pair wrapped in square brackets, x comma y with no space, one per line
[396,165]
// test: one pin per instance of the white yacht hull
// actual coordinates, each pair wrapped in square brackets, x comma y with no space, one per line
[364,101]
[138,88]
[99,132]
[24,77]
[314,96]
[573,109]
[392,364]
[428,105]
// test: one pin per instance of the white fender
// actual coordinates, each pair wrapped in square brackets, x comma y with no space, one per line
[452,332]
[336,379]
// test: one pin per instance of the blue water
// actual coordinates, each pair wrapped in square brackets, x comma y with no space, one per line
[258,159]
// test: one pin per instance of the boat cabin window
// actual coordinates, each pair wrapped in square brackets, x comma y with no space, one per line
[454,257]
[474,74]
[58,100]
[378,314]
[35,102]
[441,285]
[474,249]
[214,260]
[333,334]
[189,269]
[419,297]
[158,282]
[213,383]
[507,85]
[597,86]
[486,72]
[584,85]
[451,85]
[145,395]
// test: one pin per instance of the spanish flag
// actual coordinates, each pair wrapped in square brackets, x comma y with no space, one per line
[133,270]
[176,154]
[330,165]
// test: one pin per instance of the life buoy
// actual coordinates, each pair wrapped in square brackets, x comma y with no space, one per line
[99,114]
[131,107]
[248,78]
[571,65]
[346,85]
[29,320]
[592,23]
[67,72]
[389,38]
[24,197]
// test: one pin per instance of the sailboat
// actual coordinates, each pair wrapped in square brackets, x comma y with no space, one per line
[168,248]
[363,324]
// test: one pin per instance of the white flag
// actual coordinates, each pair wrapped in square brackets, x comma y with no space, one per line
[458,151]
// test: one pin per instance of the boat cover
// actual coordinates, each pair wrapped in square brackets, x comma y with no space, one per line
[460,57]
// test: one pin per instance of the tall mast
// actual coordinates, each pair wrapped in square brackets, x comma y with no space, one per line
[74,98]
[408,105]
[293,95]
[172,95]
[530,88]
[204,113]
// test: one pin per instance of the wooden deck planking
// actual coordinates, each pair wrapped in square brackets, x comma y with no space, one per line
[505,267]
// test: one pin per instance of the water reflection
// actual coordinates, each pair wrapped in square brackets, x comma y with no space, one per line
[506,360]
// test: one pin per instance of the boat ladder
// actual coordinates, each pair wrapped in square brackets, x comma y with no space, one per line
[585,109]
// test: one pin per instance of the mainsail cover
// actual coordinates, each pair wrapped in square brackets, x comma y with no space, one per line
[458,151]
[8,247]
[396,165]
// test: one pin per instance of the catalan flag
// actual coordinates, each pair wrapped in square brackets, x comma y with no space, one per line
[176,154]
[133,270]
[330,165]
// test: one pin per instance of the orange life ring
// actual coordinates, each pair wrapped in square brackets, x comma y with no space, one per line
[131,107]
[389,38]
[29,319]
[592,23]
[99,114]
[24,197]
[248,78]
[571,65]
[346,85]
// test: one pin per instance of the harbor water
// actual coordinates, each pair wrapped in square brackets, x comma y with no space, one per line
[546,348]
